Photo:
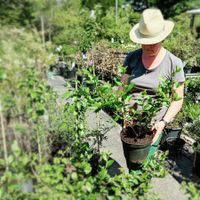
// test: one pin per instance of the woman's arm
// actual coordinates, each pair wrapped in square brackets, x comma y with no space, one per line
[175,106]
[172,111]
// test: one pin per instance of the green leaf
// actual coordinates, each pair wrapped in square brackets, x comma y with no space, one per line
[15,147]
[40,109]
[88,186]
[109,163]
[1,193]
[122,70]
[74,176]
[130,87]
[3,75]
[87,168]
[2,162]
[103,173]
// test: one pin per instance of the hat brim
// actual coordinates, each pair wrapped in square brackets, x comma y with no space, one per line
[137,37]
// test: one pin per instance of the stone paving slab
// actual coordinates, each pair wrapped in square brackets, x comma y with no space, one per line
[167,188]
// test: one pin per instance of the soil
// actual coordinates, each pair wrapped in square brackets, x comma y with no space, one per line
[129,138]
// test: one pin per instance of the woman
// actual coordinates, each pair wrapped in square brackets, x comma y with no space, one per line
[145,66]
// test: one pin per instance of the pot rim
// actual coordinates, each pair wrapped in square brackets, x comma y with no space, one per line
[171,139]
[136,145]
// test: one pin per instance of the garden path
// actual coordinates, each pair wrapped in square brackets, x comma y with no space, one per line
[167,188]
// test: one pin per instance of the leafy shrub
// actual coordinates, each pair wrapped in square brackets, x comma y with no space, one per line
[118,30]
[191,111]
[193,129]
[173,8]
[72,178]
[193,89]
[182,43]
[191,190]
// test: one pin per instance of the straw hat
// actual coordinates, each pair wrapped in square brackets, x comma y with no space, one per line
[152,27]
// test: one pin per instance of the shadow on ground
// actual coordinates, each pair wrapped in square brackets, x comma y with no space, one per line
[114,169]
[181,165]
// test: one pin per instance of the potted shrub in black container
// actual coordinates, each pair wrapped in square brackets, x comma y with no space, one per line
[136,134]
[171,138]
[71,73]
[136,114]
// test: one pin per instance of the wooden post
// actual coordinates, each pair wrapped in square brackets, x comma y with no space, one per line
[4,137]
[116,10]
[42,30]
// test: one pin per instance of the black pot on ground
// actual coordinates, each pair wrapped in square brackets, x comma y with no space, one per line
[175,146]
[65,73]
[135,154]
[71,73]
[62,71]
[196,163]
[189,70]
[171,133]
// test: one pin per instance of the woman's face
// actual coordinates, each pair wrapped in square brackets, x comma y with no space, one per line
[151,49]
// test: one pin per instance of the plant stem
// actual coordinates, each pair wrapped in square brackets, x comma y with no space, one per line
[4,138]
[39,147]
[98,126]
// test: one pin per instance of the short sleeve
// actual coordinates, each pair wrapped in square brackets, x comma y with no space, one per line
[177,71]
[131,60]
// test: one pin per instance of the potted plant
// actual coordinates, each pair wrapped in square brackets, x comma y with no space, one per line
[193,89]
[71,73]
[136,134]
[171,139]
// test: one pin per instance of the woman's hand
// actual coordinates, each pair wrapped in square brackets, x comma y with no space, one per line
[157,129]
[124,79]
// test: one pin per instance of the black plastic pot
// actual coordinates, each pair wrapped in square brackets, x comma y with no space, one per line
[62,71]
[195,69]
[175,146]
[189,70]
[171,133]
[71,73]
[196,163]
[135,154]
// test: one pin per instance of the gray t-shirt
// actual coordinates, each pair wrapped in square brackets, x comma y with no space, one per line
[149,80]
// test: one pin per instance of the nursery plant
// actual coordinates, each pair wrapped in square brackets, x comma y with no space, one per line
[94,96]
[194,132]
[190,111]
[137,116]
[193,89]
[73,178]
